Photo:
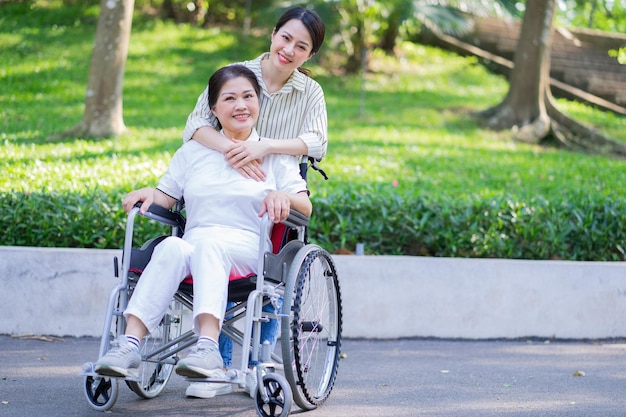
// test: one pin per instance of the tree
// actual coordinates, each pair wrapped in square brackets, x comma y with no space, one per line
[103,100]
[356,22]
[524,107]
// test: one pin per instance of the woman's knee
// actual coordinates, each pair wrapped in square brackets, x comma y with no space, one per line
[209,248]
[172,246]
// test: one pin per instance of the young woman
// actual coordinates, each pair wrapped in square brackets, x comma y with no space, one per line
[293,108]
[222,233]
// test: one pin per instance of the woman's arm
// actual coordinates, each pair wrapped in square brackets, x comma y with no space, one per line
[314,132]
[211,138]
[277,205]
[312,139]
[148,196]
[243,153]
[301,203]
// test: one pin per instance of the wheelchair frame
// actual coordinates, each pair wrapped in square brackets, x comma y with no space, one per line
[303,274]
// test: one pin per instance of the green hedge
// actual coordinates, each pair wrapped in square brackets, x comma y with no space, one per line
[490,227]
[94,220]
[572,228]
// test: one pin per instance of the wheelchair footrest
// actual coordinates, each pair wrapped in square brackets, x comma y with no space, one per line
[214,380]
[88,369]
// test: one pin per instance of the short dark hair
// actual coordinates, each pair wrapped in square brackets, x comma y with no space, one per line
[219,77]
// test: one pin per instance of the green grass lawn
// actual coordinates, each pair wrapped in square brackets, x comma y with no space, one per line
[410,133]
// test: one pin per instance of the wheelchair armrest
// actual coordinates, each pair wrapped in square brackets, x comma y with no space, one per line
[296,219]
[163,215]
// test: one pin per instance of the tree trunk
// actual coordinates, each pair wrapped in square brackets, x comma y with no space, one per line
[523,109]
[103,100]
[388,40]
[354,63]
[167,10]
[353,20]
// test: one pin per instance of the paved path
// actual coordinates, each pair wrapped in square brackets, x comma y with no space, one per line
[394,378]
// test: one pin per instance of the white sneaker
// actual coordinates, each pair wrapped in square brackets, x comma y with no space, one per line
[204,361]
[207,389]
[122,360]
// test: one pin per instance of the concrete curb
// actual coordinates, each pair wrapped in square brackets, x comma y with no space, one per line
[64,292]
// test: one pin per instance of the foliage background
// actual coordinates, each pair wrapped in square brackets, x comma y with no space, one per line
[410,170]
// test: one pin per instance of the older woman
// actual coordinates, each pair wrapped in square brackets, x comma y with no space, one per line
[222,232]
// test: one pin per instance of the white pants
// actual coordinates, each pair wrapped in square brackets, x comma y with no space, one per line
[210,255]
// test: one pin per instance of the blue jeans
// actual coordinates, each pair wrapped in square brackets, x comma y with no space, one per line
[269,333]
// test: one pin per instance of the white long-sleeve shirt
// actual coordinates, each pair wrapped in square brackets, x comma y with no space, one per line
[298,110]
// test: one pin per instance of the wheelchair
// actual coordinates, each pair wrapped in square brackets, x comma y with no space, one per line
[310,318]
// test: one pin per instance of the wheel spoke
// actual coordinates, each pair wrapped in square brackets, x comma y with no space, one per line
[102,391]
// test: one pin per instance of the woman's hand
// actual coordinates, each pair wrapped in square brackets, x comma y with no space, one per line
[252,170]
[146,195]
[246,158]
[277,205]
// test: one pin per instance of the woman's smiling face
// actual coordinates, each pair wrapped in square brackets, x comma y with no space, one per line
[237,108]
[291,45]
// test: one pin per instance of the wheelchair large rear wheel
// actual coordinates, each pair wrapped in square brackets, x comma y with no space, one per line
[311,326]
[154,373]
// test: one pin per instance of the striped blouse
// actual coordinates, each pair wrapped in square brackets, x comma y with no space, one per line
[298,110]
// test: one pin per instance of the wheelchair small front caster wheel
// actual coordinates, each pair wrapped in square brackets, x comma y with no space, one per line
[101,392]
[279,397]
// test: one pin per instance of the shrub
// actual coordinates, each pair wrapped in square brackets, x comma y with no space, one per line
[64,219]
[574,228]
